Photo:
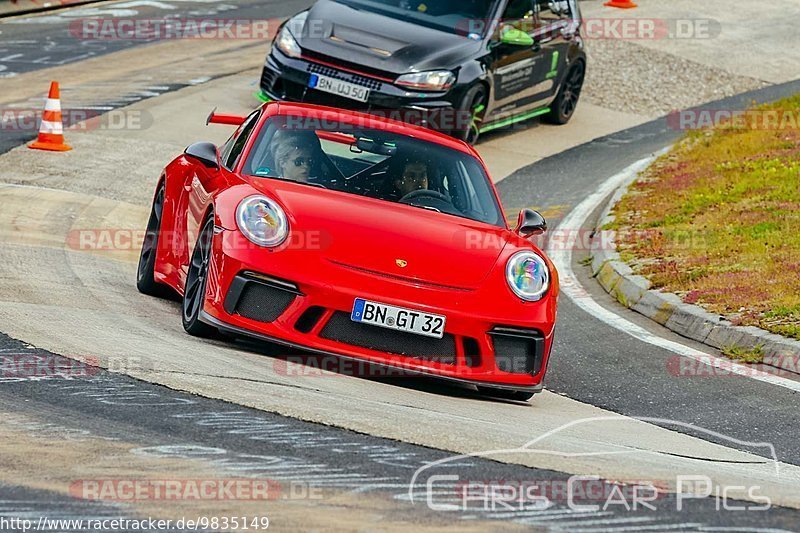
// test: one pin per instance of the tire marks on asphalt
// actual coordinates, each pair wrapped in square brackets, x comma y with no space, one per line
[177,428]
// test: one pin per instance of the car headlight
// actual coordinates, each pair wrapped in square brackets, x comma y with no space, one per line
[262,221]
[287,44]
[528,276]
[437,80]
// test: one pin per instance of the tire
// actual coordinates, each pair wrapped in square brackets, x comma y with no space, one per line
[473,104]
[517,396]
[565,103]
[145,280]
[194,293]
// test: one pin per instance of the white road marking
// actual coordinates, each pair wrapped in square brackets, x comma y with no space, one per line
[149,3]
[743,529]
[608,521]
[562,257]
[661,527]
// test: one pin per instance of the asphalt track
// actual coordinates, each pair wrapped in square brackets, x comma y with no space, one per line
[43,40]
[300,458]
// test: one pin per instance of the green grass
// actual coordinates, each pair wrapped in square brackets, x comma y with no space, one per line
[717,221]
[745,355]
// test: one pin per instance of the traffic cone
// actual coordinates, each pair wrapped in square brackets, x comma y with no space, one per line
[624,4]
[51,131]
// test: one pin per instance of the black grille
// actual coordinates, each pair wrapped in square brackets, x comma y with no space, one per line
[518,351]
[309,319]
[472,352]
[341,329]
[263,303]
[259,298]
[268,77]
[369,83]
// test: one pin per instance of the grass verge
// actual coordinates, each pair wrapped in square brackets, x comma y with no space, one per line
[717,221]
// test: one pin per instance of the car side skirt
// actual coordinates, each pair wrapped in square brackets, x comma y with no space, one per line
[514,119]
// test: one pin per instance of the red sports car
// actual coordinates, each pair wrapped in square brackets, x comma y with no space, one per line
[347,235]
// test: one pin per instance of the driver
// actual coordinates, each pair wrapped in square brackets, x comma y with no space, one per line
[413,178]
[296,154]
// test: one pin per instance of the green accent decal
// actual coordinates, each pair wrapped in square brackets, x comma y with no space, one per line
[554,66]
[261,95]
[514,119]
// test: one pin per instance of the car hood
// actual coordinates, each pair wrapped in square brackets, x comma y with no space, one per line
[379,42]
[372,235]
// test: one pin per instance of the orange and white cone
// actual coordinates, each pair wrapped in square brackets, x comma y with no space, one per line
[51,131]
[624,4]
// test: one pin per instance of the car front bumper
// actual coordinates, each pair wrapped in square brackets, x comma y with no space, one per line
[490,341]
[287,79]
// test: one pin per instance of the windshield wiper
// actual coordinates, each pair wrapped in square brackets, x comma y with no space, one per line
[429,208]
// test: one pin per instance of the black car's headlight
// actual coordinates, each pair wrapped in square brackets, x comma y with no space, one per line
[528,276]
[435,80]
[287,44]
[262,221]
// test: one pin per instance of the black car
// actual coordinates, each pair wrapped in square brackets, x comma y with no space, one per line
[459,66]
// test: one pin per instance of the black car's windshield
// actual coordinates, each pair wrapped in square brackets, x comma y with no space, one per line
[374,163]
[463,17]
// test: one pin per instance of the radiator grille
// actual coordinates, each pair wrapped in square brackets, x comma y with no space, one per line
[517,351]
[369,83]
[262,302]
[341,329]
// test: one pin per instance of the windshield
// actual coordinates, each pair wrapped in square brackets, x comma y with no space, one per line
[374,163]
[463,17]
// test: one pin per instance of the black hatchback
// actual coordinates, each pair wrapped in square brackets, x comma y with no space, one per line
[462,67]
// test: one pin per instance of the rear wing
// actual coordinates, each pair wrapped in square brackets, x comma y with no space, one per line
[219,118]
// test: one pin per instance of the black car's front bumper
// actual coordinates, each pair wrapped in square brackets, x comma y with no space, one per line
[287,79]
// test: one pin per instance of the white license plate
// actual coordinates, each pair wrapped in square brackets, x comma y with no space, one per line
[398,318]
[339,87]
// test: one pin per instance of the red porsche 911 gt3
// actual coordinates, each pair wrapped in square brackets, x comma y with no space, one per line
[344,234]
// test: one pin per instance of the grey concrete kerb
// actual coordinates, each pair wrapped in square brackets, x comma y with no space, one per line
[690,321]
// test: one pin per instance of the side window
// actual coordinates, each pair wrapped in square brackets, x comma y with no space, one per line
[233,148]
[550,11]
[519,13]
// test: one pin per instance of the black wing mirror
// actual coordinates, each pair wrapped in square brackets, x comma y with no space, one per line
[530,223]
[204,152]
